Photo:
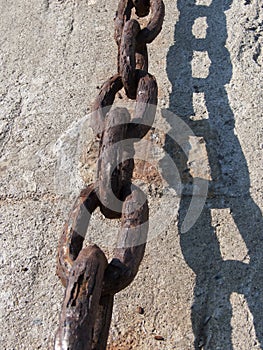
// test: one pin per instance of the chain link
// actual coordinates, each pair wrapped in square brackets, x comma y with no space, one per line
[90,280]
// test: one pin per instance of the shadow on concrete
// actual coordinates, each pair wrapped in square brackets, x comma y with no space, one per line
[216,278]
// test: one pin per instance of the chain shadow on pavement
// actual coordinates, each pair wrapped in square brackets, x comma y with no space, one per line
[216,278]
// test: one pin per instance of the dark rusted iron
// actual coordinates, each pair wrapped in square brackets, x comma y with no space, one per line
[104,102]
[145,107]
[123,14]
[74,232]
[150,32]
[127,63]
[90,280]
[81,271]
[102,322]
[130,244]
[115,163]
[145,35]
[80,305]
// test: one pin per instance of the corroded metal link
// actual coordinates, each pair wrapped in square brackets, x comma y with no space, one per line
[115,164]
[104,102]
[131,242]
[81,301]
[150,32]
[146,102]
[78,329]
[127,62]
[145,35]
[123,14]
[102,322]
[74,231]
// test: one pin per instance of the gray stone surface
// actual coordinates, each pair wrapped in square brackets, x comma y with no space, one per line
[199,289]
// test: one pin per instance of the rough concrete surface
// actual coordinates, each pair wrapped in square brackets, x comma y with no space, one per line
[200,288]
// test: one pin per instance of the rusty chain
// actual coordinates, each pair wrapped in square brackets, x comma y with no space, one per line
[90,280]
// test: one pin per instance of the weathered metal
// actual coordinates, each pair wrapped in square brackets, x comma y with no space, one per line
[90,280]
